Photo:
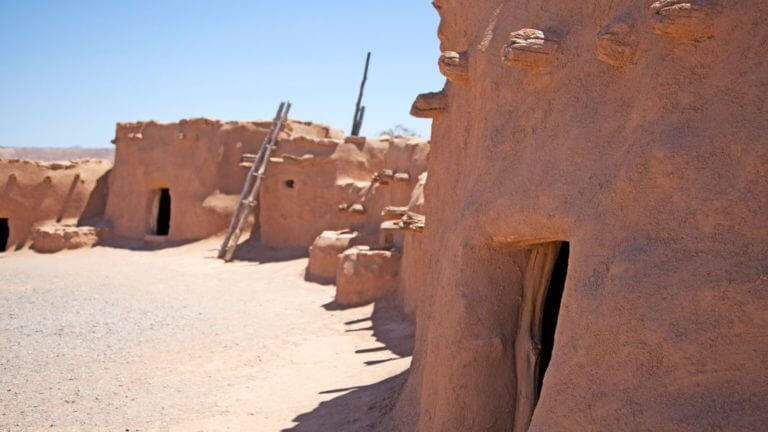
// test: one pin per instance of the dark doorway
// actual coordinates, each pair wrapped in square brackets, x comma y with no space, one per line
[551,310]
[542,287]
[163,213]
[5,233]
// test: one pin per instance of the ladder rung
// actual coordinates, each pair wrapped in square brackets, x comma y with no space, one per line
[248,157]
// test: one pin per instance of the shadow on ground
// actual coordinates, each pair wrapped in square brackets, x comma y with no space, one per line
[390,327]
[364,408]
[137,245]
[252,250]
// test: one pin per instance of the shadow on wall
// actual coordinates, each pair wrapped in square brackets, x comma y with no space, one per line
[365,408]
[93,213]
[23,202]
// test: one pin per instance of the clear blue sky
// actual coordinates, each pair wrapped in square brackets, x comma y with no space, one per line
[69,70]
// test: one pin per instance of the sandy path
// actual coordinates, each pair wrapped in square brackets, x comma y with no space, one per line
[119,340]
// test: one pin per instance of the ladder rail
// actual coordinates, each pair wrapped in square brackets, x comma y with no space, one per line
[252,198]
[251,192]
[249,181]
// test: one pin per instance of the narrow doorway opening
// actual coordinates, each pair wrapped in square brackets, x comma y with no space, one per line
[551,311]
[163,223]
[543,286]
[5,233]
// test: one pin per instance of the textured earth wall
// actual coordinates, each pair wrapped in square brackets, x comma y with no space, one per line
[331,184]
[33,192]
[197,160]
[636,131]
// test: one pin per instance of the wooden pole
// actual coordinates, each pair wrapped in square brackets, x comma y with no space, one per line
[360,117]
[357,121]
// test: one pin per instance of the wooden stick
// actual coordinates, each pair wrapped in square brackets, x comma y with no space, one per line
[357,120]
[360,118]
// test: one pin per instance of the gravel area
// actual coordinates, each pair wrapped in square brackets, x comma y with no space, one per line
[110,339]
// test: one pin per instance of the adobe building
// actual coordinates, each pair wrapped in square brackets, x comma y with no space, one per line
[596,227]
[368,268]
[316,185]
[181,181]
[35,195]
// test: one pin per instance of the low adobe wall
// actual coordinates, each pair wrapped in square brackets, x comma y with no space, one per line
[32,193]
[416,261]
[313,185]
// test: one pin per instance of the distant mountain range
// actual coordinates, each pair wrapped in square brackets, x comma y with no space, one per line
[56,153]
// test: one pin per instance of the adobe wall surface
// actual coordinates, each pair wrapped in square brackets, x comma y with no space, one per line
[198,160]
[638,135]
[310,179]
[32,193]
[417,260]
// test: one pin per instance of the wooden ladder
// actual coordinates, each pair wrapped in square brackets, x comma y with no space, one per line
[249,198]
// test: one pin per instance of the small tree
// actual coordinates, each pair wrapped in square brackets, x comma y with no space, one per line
[400,130]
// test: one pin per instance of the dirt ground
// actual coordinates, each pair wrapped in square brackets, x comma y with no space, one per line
[111,339]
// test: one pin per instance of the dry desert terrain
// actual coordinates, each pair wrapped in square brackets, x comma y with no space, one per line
[116,339]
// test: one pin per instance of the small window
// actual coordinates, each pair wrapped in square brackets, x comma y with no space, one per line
[289,184]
